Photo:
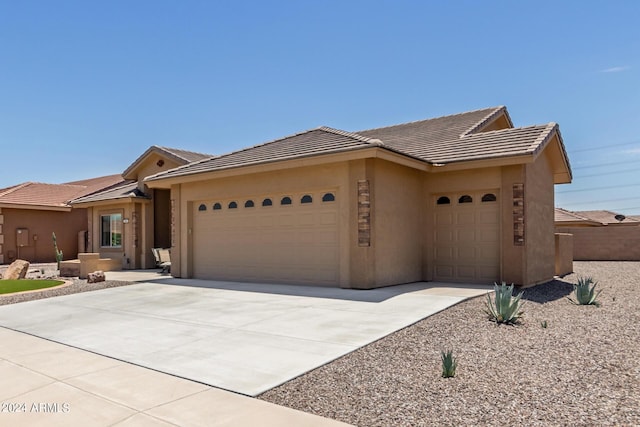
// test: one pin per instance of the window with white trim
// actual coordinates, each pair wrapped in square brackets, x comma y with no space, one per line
[111,230]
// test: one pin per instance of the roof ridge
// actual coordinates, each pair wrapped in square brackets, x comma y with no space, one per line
[353,135]
[576,215]
[487,118]
[432,118]
[172,150]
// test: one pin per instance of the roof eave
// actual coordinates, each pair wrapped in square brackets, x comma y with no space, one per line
[154,149]
[302,161]
[35,207]
[119,200]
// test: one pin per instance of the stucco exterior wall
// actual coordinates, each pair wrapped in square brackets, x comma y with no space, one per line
[564,253]
[606,243]
[40,225]
[132,236]
[539,221]
[150,167]
[398,210]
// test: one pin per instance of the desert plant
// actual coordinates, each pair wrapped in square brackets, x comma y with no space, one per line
[585,292]
[449,364]
[506,308]
[58,252]
[544,324]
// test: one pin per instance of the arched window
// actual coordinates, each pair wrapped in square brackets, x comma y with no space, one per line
[233,205]
[465,199]
[267,202]
[489,197]
[329,197]
[202,207]
[443,200]
[249,204]
[286,200]
[306,199]
[217,206]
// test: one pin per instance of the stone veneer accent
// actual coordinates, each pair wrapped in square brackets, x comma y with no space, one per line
[518,214]
[364,213]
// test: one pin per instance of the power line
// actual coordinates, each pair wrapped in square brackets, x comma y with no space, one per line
[602,147]
[607,173]
[606,164]
[598,188]
[603,201]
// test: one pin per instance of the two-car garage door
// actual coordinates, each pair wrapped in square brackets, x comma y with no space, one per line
[467,237]
[272,238]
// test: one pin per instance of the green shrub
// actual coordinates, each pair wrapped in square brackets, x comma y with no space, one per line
[544,324]
[506,308]
[585,292]
[449,364]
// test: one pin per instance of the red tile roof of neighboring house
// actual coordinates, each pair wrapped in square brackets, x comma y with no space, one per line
[442,140]
[52,196]
[597,217]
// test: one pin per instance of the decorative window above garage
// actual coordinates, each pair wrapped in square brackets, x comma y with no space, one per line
[306,199]
[202,207]
[217,206]
[233,205]
[267,202]
[465,199]
[285,200]
[249,204]
[443,200]
[489,197]
[329,197]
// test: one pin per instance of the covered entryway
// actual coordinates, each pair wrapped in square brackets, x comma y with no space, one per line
[466,237]
[284,238]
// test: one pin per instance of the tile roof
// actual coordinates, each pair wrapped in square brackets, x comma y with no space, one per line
[607,217]
[601,217]
[323,140]
[181,157]
[127,190]
[563,215]
[188,156]
[36,194]
[448,139]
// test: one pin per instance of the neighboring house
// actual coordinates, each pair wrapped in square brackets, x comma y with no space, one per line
[461,198]
[126,221]
[601,235]
[31,212]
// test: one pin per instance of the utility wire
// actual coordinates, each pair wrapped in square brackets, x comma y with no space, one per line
[606,164]
[598,188]
[602,147]
[602,201]
[607,173]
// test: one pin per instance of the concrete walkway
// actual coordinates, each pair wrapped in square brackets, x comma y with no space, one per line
[49,384]
[243,337]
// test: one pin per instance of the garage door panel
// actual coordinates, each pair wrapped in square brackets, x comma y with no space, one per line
[292,243]
[466,240]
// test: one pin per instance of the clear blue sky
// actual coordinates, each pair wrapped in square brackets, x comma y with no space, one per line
[87,86]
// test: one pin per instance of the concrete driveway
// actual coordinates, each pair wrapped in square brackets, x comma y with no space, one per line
[242,337]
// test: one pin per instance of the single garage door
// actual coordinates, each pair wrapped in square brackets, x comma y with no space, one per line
[467,237]
[272,238]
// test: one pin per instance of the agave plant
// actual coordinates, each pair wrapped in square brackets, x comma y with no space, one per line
[449,364]
[506,308]
[585,291]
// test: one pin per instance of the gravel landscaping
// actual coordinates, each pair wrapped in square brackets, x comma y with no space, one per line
[48,271]
[582,369]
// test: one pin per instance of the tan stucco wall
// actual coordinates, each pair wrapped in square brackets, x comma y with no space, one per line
[133,242]
[42,224]
[539,221]
[605,243]
[564,253]
[398,211]
[313,178]
[150,167]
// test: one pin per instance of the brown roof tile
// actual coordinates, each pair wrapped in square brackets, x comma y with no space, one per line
[127,190]
[607,217]
[441,140]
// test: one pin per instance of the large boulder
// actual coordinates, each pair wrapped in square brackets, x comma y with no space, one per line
[95,277]
[17,270]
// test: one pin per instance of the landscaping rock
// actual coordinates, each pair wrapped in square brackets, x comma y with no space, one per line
[17,270]
[95,277]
